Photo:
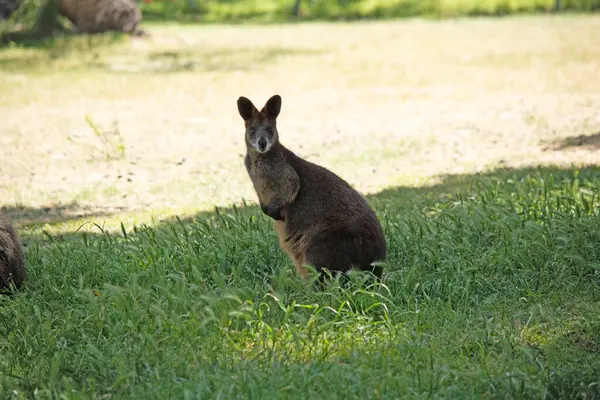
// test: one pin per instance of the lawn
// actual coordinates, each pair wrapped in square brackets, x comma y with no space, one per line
[477,142]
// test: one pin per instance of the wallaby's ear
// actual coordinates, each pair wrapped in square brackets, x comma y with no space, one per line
[273,106]
[246,108]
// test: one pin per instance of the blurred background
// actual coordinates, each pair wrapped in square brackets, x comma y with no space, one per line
[126,110]
[220,11]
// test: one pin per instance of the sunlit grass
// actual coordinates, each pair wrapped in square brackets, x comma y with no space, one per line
[276,11]
[488,291]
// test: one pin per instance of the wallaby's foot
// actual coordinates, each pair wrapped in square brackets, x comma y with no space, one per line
[325,276]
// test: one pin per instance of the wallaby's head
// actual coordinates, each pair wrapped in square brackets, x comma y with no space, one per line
[261,126]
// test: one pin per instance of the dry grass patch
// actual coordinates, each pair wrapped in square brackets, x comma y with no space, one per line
[382,103]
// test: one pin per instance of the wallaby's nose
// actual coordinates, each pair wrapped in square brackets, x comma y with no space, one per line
[262,143]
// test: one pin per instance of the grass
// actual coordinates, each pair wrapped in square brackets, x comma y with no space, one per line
[277,11]
[115,152]
[403,104]
[490,291]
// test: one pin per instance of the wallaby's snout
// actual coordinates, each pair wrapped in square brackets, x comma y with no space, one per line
[261,126]
[260,138]
[262,144]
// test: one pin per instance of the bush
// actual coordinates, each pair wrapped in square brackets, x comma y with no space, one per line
[277,10]
[37,17]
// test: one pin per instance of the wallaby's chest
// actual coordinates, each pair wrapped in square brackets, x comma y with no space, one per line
[259,170]
[263,176]
[275,180]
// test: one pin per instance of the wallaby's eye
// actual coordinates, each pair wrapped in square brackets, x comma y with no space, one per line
[269,129]
[251,130]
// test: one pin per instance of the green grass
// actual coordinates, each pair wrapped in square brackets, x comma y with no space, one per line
[276,10]
[261,11]
[491,291]
[491,288]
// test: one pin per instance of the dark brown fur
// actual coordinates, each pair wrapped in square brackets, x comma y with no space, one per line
[12,265]
[320,219]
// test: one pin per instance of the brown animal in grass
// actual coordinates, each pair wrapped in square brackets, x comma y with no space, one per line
[320,219]
[97,16]
[12,265]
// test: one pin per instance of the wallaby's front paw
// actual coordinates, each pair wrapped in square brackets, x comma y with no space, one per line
[273,212]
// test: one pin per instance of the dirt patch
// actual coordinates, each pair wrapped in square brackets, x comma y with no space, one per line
[381,104]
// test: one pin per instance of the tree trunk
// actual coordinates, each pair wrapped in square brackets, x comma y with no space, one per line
[47,19]
[296,10]
[193,5]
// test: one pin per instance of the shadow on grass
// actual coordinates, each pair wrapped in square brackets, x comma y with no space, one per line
[397,200]
[591,142]
[33,38]
[59,38]
[26,51]
[31,217]
[94,52]
[401,196]
[206,61]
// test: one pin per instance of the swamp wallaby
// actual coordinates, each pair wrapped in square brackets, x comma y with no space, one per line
[12,265]
[320,219]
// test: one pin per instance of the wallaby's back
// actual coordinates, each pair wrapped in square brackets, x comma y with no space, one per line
[330,224]
[12,265]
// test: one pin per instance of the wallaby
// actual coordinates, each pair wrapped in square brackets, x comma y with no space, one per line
[12,265]
[320,219]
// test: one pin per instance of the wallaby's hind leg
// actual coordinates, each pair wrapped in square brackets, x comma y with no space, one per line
[343,252]
[298,258]
[324,275]
[377,272]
